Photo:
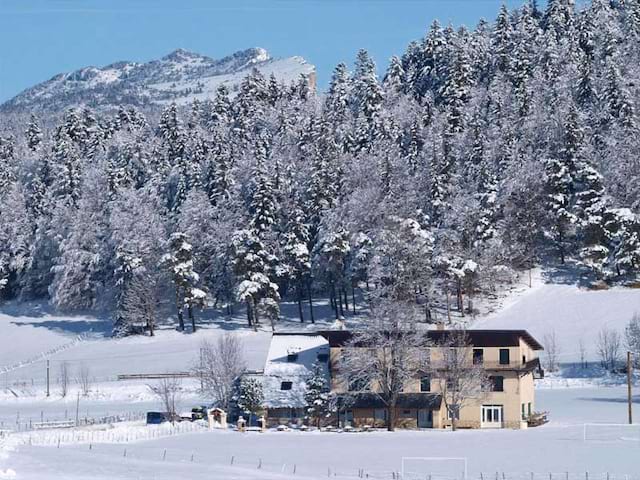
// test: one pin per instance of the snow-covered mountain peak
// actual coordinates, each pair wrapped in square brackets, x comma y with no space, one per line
[180,76]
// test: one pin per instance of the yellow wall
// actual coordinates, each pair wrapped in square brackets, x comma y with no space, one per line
[518,389]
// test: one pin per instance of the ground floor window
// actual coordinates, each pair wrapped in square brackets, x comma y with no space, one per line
[453,412]
[529,409]
[346,417]
[425,418]
[380,414]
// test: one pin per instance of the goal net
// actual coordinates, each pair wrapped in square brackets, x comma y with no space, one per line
[434,468]
[611,432]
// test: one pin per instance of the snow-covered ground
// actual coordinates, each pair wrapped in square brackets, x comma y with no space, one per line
[31,334]
[557,448]
[573,313]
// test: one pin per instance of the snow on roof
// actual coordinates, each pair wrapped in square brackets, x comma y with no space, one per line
[290,359]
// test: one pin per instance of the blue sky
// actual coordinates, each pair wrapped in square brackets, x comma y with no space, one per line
[41,38]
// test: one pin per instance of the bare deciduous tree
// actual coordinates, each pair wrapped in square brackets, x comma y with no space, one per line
[84,379]
[608,345]
[582,348]
[219,366]
[632,338]
[552,349]
[64,379]
[168,391]
[459,379]
[140,302]
[382,358]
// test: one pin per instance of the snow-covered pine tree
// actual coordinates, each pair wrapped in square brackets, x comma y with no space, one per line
[317,396]
[626,241]
[296,258]
[33,134]
[618,101]
[595,219]
[263,203]
[81,271]
[179,263]
[253,285]
[66,168]
[250,398]
[330,262]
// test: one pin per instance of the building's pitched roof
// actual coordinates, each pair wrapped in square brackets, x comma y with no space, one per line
[478,338]
[304,349]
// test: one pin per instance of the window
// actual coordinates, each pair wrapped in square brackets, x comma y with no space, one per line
[497,383]
[504,356]
[524,359]
[524,415]
[425,384]
[286,385]
[292,357]
[358,385]
[453,411]
[323,357]
[452,384]
[529,409]
[478,356]
[380,414]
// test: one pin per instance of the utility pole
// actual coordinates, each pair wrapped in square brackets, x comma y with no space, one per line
[47,378]
[201,370]
[78,410]
[629,395]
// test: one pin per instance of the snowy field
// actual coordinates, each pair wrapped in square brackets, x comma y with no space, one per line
[31,334]
[556,448]
[572,313]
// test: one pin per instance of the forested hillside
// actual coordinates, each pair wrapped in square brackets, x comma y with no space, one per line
[478,153]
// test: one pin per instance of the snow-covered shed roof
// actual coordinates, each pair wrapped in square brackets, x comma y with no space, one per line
[290,359]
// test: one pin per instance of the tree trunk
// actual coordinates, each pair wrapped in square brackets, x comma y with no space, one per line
[339,299]
[353,298]
[300,309]
[391,418]
[448,306]
[333,298]
[150,326]
[346,301]
[561,245]
[180,317]
[310,302]
[249,319]
[192,318]
[256,318]
[459,295]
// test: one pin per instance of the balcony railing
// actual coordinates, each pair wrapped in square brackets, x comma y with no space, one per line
[513,365]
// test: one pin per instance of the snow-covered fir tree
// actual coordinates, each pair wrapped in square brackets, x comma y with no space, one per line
[179,262]
[250,397]
[317,395]
[507,144]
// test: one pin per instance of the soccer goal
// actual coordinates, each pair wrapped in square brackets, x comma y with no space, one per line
[434,468]
[611,432]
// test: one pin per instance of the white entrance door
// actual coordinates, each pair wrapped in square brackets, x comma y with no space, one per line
[491,416]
